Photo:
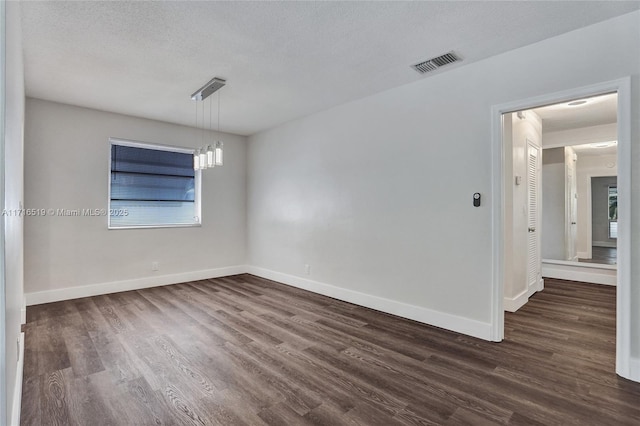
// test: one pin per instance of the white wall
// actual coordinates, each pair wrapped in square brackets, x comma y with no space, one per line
[580,136]
[14,190]
[67,163]
[376,194]
[524,130]
[553,201]
[588,167]
[590,164]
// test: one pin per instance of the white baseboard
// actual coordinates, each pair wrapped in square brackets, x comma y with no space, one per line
[604,244]
[23,311]
[428,316]
[515,303]
[39,297]
[583,255]
[17,390]
[585,272]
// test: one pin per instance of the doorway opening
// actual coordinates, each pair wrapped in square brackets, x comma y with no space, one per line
[517,200]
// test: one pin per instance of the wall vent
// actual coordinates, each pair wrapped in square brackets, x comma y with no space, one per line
[435,63]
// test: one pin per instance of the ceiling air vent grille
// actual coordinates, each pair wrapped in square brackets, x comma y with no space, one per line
[435,63]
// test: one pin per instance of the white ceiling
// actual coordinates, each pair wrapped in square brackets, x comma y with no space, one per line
[596,111]
[589,150]
[282,60]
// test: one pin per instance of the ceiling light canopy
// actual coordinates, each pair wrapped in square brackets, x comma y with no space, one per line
[208,89]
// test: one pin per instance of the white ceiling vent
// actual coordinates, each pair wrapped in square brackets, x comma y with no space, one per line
[435,63]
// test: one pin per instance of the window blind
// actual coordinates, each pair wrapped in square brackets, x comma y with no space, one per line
[155,187]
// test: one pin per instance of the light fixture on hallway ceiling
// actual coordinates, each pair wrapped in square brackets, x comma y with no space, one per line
[209,155]
[603,144]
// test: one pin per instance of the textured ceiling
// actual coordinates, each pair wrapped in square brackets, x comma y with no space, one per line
[590,150]
[598,110]
[282,60]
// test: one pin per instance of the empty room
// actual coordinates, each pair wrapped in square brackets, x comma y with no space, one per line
[292,213]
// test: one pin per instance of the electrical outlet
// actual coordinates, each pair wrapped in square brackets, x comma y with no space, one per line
[307,269]
[155,266]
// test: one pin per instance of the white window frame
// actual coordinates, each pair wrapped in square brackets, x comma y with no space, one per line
[158,147]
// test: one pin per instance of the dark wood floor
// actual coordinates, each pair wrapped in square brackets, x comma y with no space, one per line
[244,350]
[606,255]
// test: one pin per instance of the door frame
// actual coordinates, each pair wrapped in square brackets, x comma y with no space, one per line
[623,294]
[539,284]
[590,211]
[3,367]
[571,213]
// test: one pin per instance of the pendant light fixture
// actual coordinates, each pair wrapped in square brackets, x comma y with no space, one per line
[217,154]
[208,156]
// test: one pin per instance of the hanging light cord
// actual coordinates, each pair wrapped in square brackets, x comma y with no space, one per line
[203,123]
[210,113]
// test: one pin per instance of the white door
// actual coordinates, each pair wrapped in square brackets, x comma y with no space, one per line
[534,280]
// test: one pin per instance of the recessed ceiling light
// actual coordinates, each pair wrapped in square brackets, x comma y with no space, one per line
[603,144]
[576,103]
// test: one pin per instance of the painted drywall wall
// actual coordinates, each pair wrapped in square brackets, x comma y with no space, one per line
[553,202]
[580,135]
[526,128]
[67,167]
[588,167]
[600,211]
[13,201]
[375,195]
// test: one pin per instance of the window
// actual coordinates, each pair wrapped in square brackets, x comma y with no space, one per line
[613,211]
[152,186]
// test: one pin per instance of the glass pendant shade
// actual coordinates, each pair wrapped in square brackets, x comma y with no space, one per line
[196,160]
[210,157]
[218,154]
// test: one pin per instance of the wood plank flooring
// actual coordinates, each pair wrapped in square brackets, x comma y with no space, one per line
[247,351]
[606,255]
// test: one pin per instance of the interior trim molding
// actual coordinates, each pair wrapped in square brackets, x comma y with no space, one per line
[451,322]
[624,304]
[40,297]
[605,244]
[593,273]
[17,390]
[512,304]
[23,311]
[427,316]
